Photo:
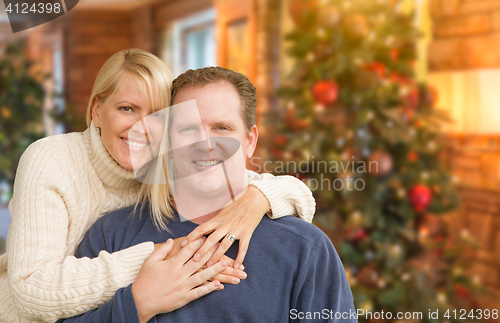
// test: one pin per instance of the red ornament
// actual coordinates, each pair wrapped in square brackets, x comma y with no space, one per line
[420,197]
[399,79]
[462,291]
[281,140]
[438,252]
[360,235]
[325,92]
[394,54]
[376,68]
[413,156]
[412,98]
[299,9]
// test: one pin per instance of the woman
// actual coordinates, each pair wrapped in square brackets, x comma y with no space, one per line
[65,183]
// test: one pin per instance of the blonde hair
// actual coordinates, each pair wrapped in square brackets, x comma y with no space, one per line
[155,82]
[151,74]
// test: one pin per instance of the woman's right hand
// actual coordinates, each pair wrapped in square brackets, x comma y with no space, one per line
[164,285]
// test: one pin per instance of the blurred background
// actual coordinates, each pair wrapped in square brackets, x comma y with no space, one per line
[408,86]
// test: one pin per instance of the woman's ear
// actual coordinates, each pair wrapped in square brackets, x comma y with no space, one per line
[96,111]
[253,136]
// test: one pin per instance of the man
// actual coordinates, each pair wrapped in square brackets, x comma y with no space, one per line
[294,272]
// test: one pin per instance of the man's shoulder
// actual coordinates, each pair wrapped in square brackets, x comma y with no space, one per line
[295,228]
[121,218]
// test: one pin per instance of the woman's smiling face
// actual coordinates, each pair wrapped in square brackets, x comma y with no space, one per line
[130,138]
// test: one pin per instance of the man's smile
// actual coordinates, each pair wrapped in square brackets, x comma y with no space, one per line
[207,163]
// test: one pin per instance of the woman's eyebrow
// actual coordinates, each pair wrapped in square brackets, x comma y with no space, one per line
[128,102]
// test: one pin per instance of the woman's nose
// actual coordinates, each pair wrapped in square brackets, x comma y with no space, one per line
[139,127]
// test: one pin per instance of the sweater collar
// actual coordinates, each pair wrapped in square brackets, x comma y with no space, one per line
[108,170]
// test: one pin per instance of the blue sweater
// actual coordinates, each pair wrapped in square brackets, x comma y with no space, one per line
[294,274]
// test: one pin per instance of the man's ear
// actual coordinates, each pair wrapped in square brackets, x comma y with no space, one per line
[253,136]
[96,111]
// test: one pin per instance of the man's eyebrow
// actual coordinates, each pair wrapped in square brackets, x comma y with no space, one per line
[225,123]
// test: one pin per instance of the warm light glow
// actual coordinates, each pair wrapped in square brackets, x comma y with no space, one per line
[472,99]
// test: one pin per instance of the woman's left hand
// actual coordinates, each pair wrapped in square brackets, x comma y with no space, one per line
[239,218]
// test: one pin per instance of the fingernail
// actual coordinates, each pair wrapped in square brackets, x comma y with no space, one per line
[236,265]
[197,257]
[216,283]
[217,245]
[184,243]
[170,241]
[210,263]
[235,280]
[223,264]
[242,267]
[243,275]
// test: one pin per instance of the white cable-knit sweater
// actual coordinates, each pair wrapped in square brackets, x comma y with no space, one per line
[63,185]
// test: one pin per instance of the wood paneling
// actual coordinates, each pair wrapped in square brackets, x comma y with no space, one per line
[175,9]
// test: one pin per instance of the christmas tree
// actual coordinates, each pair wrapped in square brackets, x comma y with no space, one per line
[369,133]
[21,102]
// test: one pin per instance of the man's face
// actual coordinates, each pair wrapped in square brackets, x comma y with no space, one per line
[210,137]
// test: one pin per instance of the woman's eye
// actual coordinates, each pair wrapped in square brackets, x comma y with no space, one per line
[127,109]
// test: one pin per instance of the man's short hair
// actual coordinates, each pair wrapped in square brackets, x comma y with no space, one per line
[214,74]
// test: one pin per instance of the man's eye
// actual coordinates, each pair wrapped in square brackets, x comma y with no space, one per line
[224,128]
[187,129]
[127,109]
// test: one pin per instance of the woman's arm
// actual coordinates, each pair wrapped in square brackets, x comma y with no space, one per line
[46,283]
[286,194]
[153,291]
[276,195]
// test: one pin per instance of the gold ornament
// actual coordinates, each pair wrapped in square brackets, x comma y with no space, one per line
[368,276]
[6,113]
[329,16]
[356,26]
[383,163]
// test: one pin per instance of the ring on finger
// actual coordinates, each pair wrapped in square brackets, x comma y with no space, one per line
[231,237]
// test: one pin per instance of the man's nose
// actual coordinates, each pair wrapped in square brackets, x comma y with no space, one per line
[206,145]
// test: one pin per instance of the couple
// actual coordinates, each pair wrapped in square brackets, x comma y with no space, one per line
[54,205]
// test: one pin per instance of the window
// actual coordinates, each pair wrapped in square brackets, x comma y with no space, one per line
[190,43]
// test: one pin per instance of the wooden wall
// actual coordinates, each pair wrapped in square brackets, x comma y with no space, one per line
[90,39]
[466,34]
[466,37]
